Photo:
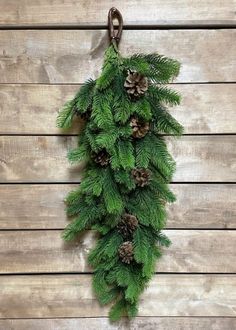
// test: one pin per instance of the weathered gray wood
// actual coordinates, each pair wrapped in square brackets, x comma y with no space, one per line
[70,56]
[43,159]
[42,206]
[71,296]
[203,206]
[204,158]
[206,108]
[32,109]
[197,251]
[147,323]
[88,12]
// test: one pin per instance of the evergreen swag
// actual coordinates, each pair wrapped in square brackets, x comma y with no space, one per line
[125,184]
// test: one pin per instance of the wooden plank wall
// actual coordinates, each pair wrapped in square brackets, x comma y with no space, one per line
[47,49]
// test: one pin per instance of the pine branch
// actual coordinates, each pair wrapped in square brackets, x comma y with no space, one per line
[149,211]
[143,149]
[164,94]
[126,251]
[161,159]
[122,108]
[104,292]
[102,229]
[85,95]
[101,113]
[107,139]
[105,249]
[126,154]
[109,69]
[163,121]
[163,240]
[158,68]
[112,198]
[149,266]
[118,310]
[161,189]
[79,154]
[143,109]
[141,245]
[92,183]
[72,230]
[65,116]
[124,178]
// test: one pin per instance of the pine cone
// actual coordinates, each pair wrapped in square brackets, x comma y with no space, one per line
[139,127]
[126,252]
[127,225]
[136,84]
[102,157]
[141,176]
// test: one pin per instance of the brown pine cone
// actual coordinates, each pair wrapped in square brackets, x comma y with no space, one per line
[126,252]
[141,176]
[127,225]
[102,157]
[136,84]
[139,127]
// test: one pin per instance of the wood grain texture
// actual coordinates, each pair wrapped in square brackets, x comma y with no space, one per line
[88,12]
[43,159]
[69,56]
[36,206]
[55,62]
[32,109]
[50,296]
[43,251]
[102,323]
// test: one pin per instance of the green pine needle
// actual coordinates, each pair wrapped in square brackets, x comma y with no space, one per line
[85,96]
[65,116]
[109,188]
[111,194]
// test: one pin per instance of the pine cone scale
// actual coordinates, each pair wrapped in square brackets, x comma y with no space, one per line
[136,84]
[102,157]
[127,225]
[126,252]
[139,127]
[141,176]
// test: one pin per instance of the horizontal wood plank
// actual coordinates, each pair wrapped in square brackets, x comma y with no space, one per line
[43,159]
[88,12]
[32,109]
[192,251]
[147,323]
[71,296]
[70,56]
[36,206]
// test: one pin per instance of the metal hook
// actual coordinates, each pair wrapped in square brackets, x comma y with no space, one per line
[113,34]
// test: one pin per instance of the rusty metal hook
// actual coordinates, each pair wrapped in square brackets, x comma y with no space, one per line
[113,33]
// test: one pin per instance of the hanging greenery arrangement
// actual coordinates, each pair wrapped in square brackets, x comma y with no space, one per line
[124,188]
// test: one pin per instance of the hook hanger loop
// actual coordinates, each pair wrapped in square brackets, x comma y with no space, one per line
[113,33]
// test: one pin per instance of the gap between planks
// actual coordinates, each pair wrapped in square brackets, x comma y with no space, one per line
[210,26]
[92,13]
